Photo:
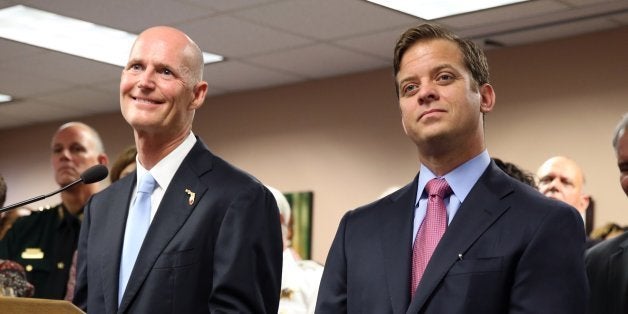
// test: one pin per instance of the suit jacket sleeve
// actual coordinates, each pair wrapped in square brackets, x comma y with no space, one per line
[550,275]
[332,293]
[248,257]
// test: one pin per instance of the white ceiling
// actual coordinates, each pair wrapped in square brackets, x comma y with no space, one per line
[266,43]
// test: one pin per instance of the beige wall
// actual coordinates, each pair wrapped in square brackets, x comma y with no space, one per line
[342,138]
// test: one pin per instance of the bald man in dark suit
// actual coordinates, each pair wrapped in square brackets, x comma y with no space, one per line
[200,236]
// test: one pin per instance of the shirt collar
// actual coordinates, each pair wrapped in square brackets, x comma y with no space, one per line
[461,179]
[164,170]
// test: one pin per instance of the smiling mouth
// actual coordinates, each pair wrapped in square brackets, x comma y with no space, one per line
[146,101]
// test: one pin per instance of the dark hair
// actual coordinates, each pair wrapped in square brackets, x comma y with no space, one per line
[125,158]
[516,172]
[473,56]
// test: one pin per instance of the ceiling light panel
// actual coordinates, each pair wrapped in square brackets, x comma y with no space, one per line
[72,36]
[434,9]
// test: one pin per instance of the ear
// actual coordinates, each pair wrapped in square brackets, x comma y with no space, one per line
[103,159]
[487,95]
[200,91]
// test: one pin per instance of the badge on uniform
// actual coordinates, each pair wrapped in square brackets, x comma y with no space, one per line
[32,253]
[286,293]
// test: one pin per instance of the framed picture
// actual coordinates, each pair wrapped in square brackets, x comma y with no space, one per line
[300,227]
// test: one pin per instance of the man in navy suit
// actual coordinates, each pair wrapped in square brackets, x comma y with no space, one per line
[505,249]
[213,243]
[607,262]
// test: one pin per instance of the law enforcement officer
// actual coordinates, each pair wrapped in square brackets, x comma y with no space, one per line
[45,241]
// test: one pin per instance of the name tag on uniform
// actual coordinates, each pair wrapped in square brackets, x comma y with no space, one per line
[33,253]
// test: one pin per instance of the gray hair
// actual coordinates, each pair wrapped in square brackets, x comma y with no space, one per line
[620,130]
[100,147]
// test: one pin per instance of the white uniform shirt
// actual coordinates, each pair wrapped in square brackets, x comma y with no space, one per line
[299,285]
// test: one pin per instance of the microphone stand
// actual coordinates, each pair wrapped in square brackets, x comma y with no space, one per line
[40,197]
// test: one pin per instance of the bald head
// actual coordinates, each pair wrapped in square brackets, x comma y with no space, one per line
[192,55]
[160,90]
[562,178]
[91,134]
[75,147]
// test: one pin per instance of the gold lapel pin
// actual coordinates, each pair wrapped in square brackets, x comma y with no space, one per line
[192,195]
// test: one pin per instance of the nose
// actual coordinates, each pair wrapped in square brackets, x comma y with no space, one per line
[65,154]
[427,94]
[553,185]
[62,155]
[146,80]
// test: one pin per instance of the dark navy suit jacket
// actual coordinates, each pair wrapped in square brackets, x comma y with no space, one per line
[607,269]
[509,249]
[222,253]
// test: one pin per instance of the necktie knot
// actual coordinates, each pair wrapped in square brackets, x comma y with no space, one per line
[147,184]
[438,187]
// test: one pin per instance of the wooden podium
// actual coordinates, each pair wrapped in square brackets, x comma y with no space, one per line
[13,305]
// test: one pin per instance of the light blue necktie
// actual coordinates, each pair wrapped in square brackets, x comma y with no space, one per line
[136,226]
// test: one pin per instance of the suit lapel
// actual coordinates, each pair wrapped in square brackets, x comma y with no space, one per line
[482,207]
[397,245]
[114,224]
[173,211]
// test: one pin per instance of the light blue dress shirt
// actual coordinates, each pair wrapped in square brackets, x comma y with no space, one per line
[461,180]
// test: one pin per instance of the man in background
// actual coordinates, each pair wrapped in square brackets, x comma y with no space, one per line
[562,179]
[607,262]
[44,241]
[186,232]
[299,278]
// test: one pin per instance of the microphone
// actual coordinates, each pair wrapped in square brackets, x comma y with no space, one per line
[92,175]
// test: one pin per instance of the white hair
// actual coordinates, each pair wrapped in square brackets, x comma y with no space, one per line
[282,204]
[284,212]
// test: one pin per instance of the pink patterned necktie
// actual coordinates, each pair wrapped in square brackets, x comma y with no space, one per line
[431,230]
